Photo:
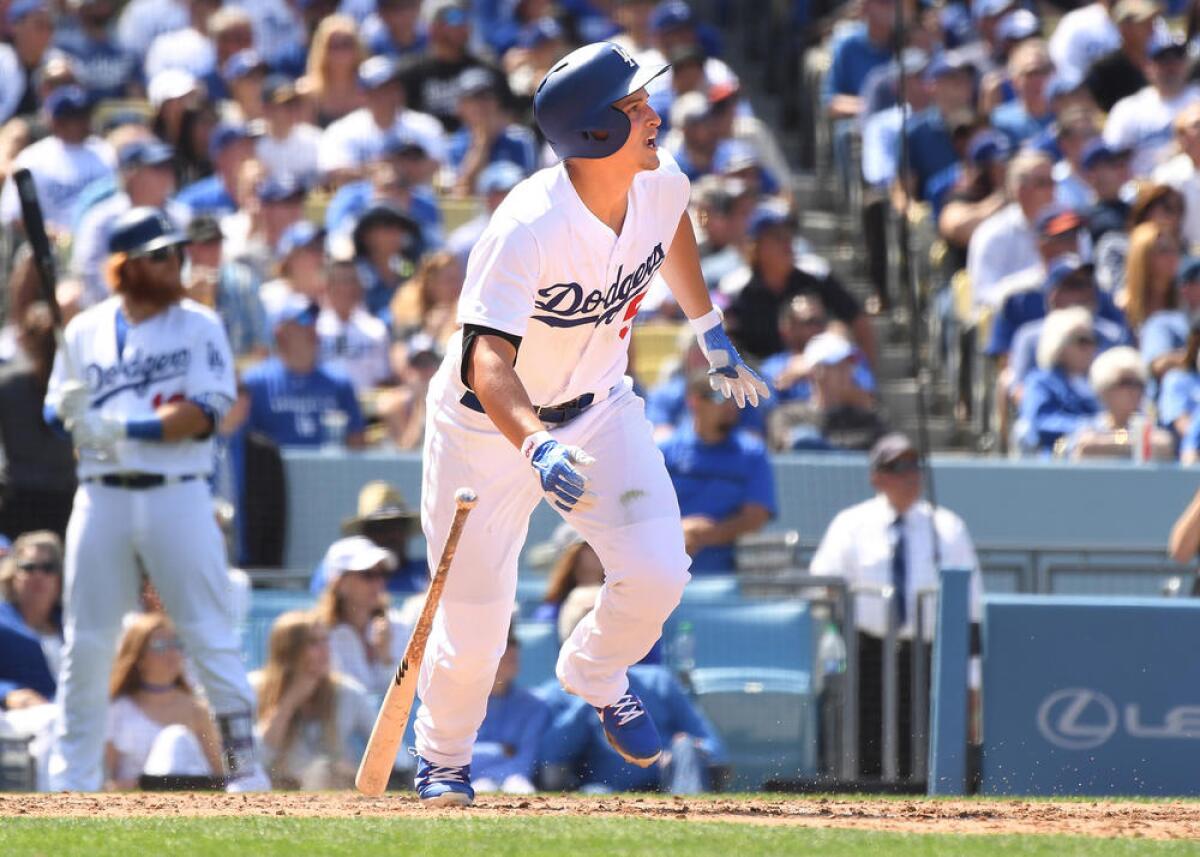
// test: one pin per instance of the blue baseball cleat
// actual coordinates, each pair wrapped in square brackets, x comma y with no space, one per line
[444,785]
[630,731]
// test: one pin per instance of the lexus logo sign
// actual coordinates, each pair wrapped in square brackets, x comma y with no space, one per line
[1077,718]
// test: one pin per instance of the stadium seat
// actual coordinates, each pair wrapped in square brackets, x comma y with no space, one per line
[747,633]
[266,606]
[722,587]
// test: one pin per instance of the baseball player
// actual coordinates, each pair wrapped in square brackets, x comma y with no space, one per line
[145,378]
[536,377]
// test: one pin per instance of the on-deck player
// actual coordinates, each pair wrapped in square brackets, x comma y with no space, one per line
[155,376]
[536,376]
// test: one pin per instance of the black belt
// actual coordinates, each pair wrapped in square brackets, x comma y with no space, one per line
[140,481]
[562,413]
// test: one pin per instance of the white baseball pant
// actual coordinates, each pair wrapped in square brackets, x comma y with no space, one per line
[634,528]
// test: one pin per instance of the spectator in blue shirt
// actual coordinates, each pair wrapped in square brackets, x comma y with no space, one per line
[102,67]
[1163,337]
[487,134]
[30,620]
[1058,399]
[1029,114]
[574,750]
[229,147]
[506,749]
[694,135]
[930,145]
[294,400]
[859,49]
[800,319]
[387,245]
[394,29]
[721,476]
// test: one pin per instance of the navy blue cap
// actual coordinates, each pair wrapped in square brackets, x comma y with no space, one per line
[498,177]
[377,71]
[144,153]
[1056,219]
[21,9]
[1064,266]
[143,230]
[400,143]
[296,309]
[766,216]
[733,155]
[224,135]
[1189,270]
[1017,25]
[539,32]
[301,234]
[475,81]
[988,146]
[386,212]
[1164,41]
[67,99]
[947,63]
[671,15]
[242,63]
[1097,151]
[279,189]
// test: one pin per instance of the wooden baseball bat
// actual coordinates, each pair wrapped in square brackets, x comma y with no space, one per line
[380,755]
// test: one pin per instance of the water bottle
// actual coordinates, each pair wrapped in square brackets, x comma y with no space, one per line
[1139,438]
[830,675]
[683,652]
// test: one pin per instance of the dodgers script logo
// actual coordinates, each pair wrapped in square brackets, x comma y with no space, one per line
[567,305]
[137,373]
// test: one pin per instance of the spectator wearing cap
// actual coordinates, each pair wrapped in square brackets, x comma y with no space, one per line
[432,79]
[837,414]
[1016,27]
[723,207]
[880,91]
[1180,172]
[1074,129]
[30,30]
[1081,37]
[722,478]
[1142,122]
[354,605]
[253,232]
[1122,71]
[402,406]
[244,73]
[735,121]
[353,341]
[359,137]
[694,135]
[855,51]
[145,176]
[675,30]
[1106,170]
[930,147]
[738,159]
[686,75]
[331,80]
[299,267]
[394,29]
[289,144]
[173,94]
[228,285]
[759,290]
[881,128]
[229,147]
[1164,334]
[899,540]
[1057,398]
[800,320]
[986,16]
[187,48]
[492,186]
[1119,379]
[281,33]
[231,30]
[967,196]
[1151,266]
[1029,114]
[1005,243]
[387,245]
[505,755]
[296,400]
[103,67]
[488,134]
[575,753]
[62,163]
[540,44]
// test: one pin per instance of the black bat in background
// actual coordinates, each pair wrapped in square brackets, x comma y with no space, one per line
[43,255]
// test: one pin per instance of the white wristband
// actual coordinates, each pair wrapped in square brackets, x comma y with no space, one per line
[706,322]
[530,445]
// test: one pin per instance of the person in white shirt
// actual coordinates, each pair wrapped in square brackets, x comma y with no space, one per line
[1081,37]
[289,145]
[349,143]
[1142,121]
[354,606]
[352,340]
[63,163]
[188,49]
[1180,172]
[895,539]
[1005,243]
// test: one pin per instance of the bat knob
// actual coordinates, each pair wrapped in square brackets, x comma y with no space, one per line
[465,498]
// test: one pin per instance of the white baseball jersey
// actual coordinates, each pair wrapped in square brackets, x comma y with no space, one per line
[60,173]
[358,348]
[180,354]
[548,270]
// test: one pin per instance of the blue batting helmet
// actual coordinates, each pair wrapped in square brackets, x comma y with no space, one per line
[143,230]
[573,103]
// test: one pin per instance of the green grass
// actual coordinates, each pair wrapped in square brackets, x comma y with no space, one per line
[527,837]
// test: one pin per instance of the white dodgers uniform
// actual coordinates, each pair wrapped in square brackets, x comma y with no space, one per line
[161,515]
[550,272]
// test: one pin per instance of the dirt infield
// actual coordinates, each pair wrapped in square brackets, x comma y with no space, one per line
[1157,820]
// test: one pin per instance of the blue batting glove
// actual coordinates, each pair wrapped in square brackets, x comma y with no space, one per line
[728,373]
[555,463]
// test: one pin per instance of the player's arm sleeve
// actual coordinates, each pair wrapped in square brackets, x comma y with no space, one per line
[210,383]
[502,278]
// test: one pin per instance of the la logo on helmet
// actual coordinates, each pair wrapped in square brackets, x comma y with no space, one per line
[629,61]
